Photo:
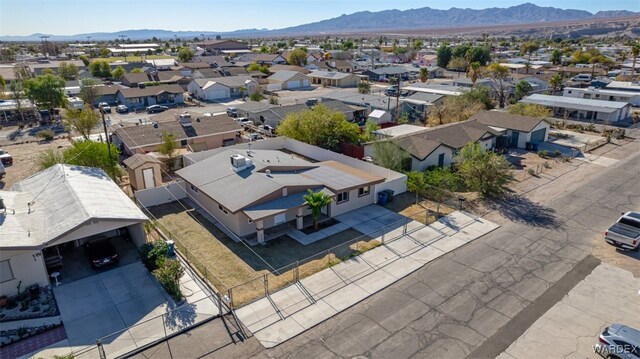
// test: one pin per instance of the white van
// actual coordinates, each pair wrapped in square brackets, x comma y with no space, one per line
[582,78]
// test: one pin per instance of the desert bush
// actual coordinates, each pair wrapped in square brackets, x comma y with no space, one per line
[46,135]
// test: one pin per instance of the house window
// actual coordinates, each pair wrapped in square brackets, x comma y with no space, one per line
[135,100]
[343,197]
[363,191]
[183,143]
[194,188]
[222,209]
[6,273]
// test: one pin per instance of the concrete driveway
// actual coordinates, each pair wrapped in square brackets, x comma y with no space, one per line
[99,305]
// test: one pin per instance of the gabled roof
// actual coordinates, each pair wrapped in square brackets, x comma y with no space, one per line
[150,91]
[148,135]
[280,67]
[454,135]
[139,159]
[507,120]
[330,74]
[228,81]
[286,75]
[58,200]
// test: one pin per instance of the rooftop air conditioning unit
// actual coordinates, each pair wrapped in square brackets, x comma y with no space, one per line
[184,119]
[240,163]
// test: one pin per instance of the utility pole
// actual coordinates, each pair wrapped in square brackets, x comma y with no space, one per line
[106,136]
[124,47]
[89,46]
[44,43]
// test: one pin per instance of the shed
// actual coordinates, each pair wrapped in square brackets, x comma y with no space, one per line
[144,171]
[379,116]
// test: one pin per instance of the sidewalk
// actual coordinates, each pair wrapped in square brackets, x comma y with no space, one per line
[295,309]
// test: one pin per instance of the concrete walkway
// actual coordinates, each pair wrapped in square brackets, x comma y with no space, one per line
[318,297]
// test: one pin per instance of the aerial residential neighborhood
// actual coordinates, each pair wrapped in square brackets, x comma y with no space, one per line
[337,179]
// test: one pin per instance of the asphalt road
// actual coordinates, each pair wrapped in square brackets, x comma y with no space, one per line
[475,301]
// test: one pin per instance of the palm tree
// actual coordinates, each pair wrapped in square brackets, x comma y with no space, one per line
[424,74]
[635,51]
[474,72]
[556,83]
[316,202]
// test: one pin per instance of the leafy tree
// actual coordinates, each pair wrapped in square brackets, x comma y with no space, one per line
[347,45]
[137,70]
[522,89]
[479,54]
[118,72]
[185,54]
[529,47]
[483,171]
[389,155]
[417,44]
[105,53]
[416,183]
[600,60]
[442,177]
[84,60]
[3,83]
[297,57]
[68,71]
[168,148]
[461,51]
[48,72]
[316,201]
[100,69]
[89,91]
[82,121]
[531,110]
[458,64]
[498,75]
[364,87]
[453,109]
[254,66]
[319,126]
[443,55]
[84,153]
[556,83]
[47,91]
[556,57]
[256,96]
[424,74]
[369,127]
[479,95]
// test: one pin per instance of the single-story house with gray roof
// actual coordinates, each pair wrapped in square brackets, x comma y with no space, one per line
[252,191]
[216,88]
[138,98]
[288,80]
[516,130]
[333,79]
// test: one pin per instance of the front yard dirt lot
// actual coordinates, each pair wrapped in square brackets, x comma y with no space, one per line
[25,159]
[227,263]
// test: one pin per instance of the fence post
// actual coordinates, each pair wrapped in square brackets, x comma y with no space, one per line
[297,271]
[230,291]
[404,230]
[266,285]
[384,230]
[100,350]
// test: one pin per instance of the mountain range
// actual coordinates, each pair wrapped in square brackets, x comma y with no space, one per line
[366,21]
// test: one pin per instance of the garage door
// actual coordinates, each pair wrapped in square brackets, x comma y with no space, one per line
[216,94]
[305,83]
[293,84]
[538,136]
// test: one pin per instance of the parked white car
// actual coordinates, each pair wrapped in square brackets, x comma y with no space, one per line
[625,233]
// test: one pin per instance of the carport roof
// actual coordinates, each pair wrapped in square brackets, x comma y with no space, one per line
[52,203]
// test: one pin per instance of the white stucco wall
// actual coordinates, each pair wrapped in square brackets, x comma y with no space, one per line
[354,202]
[27,266]
[432,159]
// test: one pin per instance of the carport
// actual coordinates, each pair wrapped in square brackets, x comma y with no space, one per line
[61,208]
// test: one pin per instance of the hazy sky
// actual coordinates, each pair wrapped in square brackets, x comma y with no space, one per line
[68,17]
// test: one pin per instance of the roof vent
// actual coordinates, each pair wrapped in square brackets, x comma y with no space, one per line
[155,125]
[268,172]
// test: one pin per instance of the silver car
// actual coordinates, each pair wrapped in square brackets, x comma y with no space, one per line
[618,341]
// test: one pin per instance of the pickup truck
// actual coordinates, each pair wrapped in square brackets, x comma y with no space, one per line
[625,233]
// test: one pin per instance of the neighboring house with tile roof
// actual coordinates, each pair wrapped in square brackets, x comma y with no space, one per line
[252,191]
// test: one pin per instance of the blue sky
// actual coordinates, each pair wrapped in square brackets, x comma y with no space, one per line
[67,17]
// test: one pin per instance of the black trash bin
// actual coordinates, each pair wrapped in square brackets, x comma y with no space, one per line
[383,197]
[389,193]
